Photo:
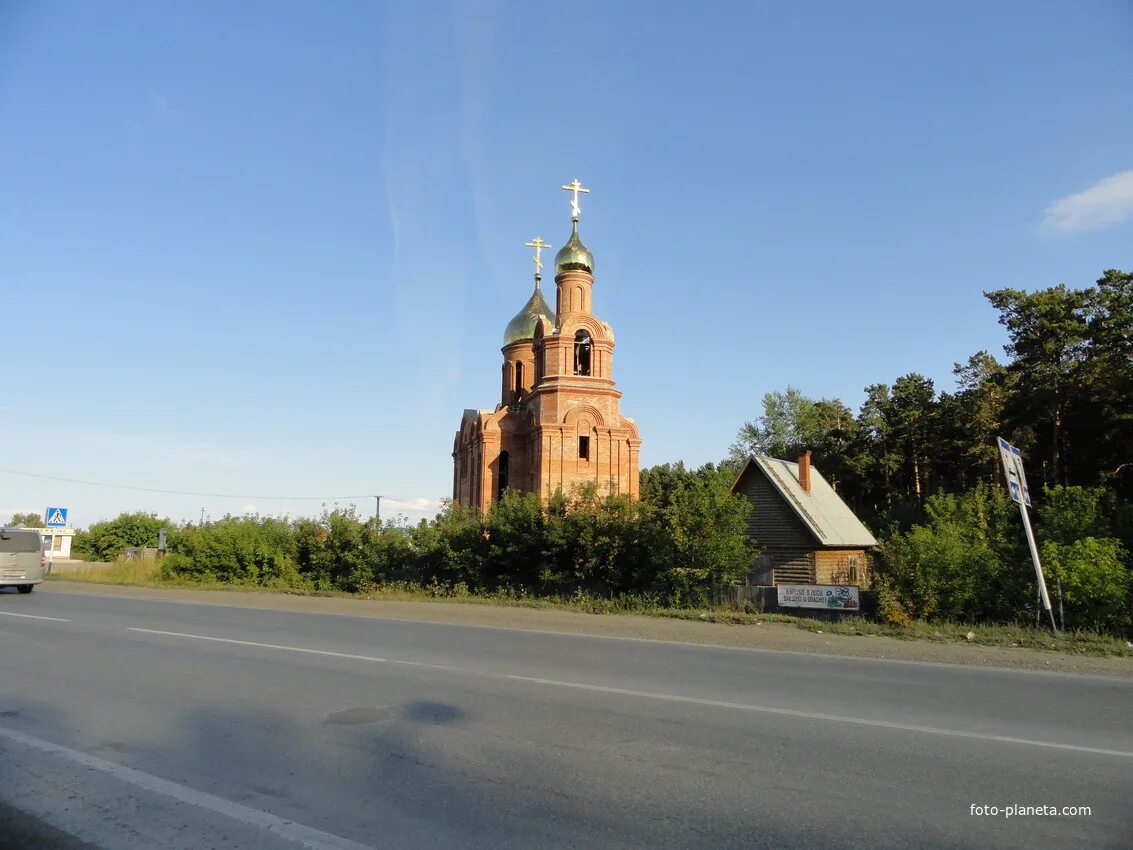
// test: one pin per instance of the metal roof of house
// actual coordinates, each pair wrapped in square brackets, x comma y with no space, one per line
[822,510]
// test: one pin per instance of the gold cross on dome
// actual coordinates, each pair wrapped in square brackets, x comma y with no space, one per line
[538,244]
[575,187]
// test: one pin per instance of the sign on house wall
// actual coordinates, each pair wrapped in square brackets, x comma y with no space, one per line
[840,596]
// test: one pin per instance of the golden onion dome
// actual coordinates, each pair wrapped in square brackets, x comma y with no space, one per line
[574,255]
[523,325]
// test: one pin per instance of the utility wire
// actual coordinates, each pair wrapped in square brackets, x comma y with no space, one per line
[183,492]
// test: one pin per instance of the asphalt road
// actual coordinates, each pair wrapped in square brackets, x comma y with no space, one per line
[132,723]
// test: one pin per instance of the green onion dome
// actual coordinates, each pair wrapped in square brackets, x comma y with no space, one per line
[523,325]
[574,255]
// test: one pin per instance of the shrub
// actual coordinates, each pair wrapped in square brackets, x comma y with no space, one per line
[519,550]
[452,548]
[1095,581]
[965,563]
[698,533]
[891,609]
[687,532]
[969,562]
[105,541]
[236,550]
[1067,514]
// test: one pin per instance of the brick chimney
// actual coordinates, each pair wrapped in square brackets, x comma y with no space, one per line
[804,470]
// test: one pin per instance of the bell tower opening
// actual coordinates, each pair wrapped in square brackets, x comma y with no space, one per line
[518,381]
[582,347]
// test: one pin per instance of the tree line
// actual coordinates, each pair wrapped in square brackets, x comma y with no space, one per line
[1064,396]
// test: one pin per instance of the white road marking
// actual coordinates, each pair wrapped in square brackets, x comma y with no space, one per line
[33,617]
[834,718]
[734,706]
[304,836]
[977,668]
[371,658]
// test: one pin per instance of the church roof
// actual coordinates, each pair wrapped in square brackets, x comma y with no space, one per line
[523,325]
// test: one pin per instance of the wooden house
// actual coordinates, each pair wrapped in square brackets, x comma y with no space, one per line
[806,533]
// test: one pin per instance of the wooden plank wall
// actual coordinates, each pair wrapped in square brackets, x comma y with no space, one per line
[772,523]
[841,566]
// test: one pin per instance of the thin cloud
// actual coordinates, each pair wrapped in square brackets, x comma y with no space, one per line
[158,108]
[418,504]
[1109,201]
[159,102]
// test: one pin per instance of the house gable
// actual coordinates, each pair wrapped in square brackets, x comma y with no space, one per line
[772,522]
[821,511]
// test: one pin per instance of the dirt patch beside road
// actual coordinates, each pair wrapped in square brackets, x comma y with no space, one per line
[767,636]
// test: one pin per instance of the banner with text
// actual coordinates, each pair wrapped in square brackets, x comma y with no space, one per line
[819,596]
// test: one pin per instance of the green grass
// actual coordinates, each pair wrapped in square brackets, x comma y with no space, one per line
[146,572]
[1079,642]
[142,572]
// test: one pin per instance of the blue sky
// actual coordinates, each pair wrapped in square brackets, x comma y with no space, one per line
[269,248]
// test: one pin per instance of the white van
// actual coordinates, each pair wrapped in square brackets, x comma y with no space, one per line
[23,564]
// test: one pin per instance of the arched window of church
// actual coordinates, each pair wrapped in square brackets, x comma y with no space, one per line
[518,380]
[505,472]
[582,353]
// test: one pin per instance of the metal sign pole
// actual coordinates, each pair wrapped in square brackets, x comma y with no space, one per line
[1038,566]
[1017,487]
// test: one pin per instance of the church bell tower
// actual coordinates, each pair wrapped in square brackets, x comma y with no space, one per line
[559,423]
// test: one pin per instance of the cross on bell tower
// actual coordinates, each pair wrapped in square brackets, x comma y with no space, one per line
[575,187]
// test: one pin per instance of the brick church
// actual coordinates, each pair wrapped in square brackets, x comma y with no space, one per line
[558,424]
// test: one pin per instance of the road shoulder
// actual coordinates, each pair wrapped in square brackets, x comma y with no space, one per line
[20,830]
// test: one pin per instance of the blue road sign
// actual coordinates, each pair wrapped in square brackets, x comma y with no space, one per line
[1018,456]
[1013,472]
[56,517]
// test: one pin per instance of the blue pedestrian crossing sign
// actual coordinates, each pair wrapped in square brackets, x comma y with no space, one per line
[56,517]
[1013,471]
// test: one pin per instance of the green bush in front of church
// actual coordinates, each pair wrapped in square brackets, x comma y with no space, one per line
[684,534]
